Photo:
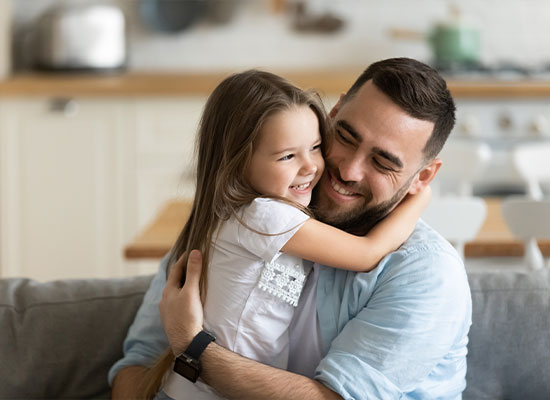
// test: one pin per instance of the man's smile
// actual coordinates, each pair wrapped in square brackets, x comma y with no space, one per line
[339,189]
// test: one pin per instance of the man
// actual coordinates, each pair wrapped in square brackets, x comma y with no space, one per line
[399,331]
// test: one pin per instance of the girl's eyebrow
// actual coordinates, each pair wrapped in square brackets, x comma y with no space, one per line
[290,149]
[285,150]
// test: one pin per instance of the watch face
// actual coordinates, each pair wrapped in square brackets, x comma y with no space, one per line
[187,367]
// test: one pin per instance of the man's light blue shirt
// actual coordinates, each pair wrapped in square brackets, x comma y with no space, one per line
[399,331]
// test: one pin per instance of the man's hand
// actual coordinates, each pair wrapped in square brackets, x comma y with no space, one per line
[181,308]
[232,375]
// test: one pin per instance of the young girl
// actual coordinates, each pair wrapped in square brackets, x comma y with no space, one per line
[260,154]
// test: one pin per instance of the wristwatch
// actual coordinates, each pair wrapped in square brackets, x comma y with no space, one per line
[187,363]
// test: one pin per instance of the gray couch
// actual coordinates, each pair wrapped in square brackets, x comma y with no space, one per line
[58,339]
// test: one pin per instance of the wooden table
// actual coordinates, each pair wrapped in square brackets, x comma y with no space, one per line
[493,239]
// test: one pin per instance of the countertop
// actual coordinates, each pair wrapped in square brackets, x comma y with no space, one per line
[184,84]
[493,239]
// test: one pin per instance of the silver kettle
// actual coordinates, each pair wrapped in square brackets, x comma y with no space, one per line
[80,37]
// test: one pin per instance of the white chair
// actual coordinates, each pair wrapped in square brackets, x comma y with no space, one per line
[532,161]
[453,211]
[463,162]
[528,220]
[456,218]
[528,217]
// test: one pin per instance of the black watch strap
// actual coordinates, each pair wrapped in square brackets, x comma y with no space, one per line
[187,364]
[199,343]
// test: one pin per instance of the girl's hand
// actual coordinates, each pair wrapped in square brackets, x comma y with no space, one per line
[180,307]
[422,198]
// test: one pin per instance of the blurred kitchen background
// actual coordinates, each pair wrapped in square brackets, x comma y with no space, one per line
[218,34]
[99,101]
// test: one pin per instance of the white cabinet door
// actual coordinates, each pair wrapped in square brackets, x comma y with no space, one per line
[67,200]
[165,136]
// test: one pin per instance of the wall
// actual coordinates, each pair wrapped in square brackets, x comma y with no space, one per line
[256,36]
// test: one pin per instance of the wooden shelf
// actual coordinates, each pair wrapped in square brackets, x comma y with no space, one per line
[329,82]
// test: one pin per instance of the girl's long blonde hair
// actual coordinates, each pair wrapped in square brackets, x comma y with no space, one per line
[229,128]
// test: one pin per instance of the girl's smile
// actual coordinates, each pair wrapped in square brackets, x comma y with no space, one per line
[287,159]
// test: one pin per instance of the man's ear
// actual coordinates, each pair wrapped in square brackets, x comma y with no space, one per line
[425,176]
[336,107]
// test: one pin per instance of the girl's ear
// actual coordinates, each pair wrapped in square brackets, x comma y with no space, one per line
[425,176]
[336,107]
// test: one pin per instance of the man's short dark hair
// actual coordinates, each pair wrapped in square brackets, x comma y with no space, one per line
[417,89]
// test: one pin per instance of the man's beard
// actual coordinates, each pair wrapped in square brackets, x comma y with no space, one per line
[361,219]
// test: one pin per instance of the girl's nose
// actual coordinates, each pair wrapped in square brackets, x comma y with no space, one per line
[308,167]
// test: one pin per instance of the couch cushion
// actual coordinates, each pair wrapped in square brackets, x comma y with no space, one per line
[509,350]
[60,338]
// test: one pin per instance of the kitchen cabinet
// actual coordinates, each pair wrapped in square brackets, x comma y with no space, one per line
[165,129]
[79,177]
[67,204]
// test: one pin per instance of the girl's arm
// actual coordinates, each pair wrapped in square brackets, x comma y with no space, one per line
[327,245]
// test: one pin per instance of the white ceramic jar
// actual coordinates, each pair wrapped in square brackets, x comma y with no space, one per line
[6,17]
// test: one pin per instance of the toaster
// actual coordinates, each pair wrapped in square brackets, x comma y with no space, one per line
[80,37]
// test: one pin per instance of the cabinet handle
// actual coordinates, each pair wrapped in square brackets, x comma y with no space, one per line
[67,107]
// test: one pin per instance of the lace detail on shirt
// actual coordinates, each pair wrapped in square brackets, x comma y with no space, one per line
[283,281]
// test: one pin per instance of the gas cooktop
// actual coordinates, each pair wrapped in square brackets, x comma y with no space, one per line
[499,71]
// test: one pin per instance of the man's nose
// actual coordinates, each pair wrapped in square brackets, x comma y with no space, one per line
[352,169]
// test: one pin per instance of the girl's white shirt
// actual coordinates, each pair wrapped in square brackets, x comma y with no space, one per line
[253,288]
